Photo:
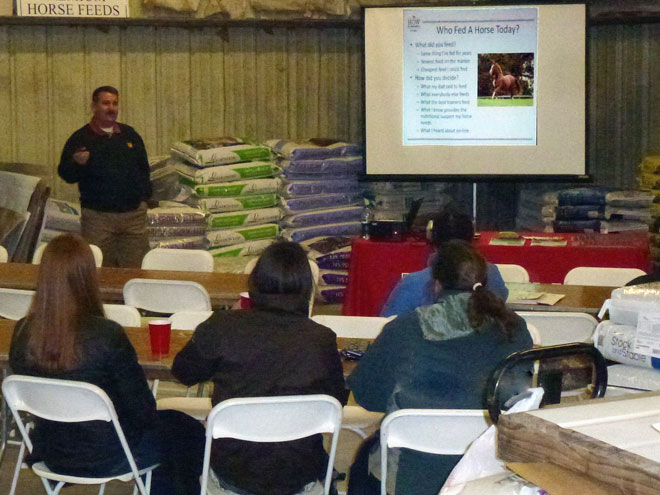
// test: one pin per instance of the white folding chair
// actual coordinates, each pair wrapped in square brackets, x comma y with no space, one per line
[559,327]
[356,327]
[513,273]
[15,303]
[606,277]
[4,255]
[434,431]
[356,418]
[185,260]
[96,251]
[274,419]
[166,296]
[188,320]
[126,316]
[70,402]
[316,274]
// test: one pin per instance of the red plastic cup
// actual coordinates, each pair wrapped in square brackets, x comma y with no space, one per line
[246,302]
[160,332]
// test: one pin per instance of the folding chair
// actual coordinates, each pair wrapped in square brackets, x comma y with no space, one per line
[274,419]
[15,303]
[166,296]
[606,277]
[126,316]
[185,260]
[434,431]
[70,402]
[96,251]
[356,418]
[513,273]
[559,327]
[550,378]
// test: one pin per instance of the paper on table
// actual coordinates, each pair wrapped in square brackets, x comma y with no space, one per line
[495,241]
[524,297]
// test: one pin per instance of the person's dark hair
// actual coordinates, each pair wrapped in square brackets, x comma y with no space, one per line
[104,89]
[459,266]
[449,225]
[282,278]
[67,292]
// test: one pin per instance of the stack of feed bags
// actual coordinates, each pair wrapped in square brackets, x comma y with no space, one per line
[320,194]
[648,178]
[537,210]
[604,210]
[631,316]
[332,255]
[235,184]
[59,217]
[392,200]
[165,184]
[175,225]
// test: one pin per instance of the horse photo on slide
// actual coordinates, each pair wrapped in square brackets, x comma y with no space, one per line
[505,79]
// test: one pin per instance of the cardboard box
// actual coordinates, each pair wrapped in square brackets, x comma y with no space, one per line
[559,481]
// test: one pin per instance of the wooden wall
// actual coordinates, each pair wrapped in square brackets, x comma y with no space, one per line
[177,83]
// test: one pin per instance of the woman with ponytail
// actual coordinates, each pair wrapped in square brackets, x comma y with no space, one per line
[436,357]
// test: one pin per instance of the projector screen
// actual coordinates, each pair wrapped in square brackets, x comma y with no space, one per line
[475,91]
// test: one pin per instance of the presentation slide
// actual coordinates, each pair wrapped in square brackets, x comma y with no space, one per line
[468,77]
[475,91]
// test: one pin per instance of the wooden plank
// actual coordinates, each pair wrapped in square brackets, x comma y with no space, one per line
[303,87]
[240,83]
[527,437]
[173,83]
[138,101]
[271,79]
[69,104]
[6,107]
[30,111]
[102,59]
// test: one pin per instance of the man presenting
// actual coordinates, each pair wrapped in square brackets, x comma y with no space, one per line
[109,162]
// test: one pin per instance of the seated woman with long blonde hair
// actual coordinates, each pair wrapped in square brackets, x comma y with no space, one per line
[66,335]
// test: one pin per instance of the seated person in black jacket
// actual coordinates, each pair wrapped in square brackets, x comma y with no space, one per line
[273,349]
[66,335]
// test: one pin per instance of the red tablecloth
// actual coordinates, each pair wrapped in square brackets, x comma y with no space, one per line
[550,264]
[376,267]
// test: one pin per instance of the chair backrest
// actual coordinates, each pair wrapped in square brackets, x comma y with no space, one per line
[166,296]
[64,401]
[15,303]
[188,320]
[4,255]
[96,251]
[607,277]
[559,327]
[550,378]
[434,431]
[274,419]
[185,260]
[513,273]
[534,333]
[359,327]
[126,316]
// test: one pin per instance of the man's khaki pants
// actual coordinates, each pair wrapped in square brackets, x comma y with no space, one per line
[122,237]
